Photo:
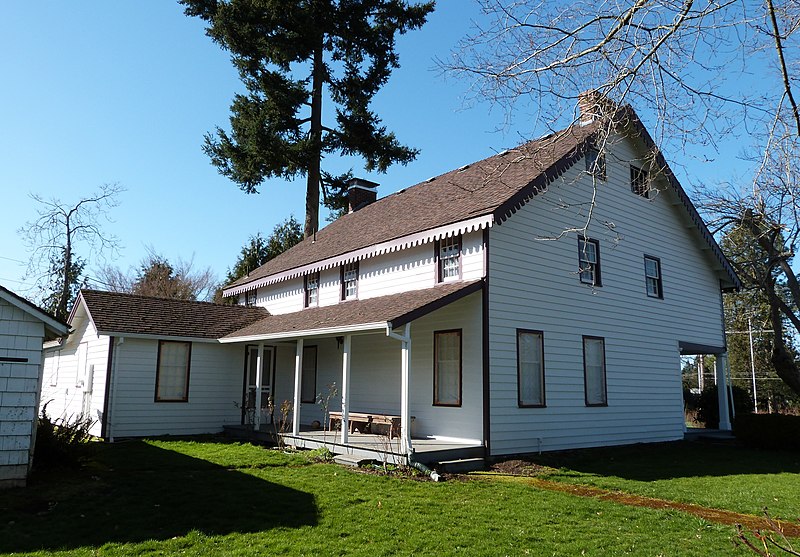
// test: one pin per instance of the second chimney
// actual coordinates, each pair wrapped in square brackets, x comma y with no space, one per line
[360,193]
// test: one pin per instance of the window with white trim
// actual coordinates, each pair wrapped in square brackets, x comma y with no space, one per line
[640,181]
[308,391]
[448,254]
[447,368]
[652,274]
[596,163]
[250,297]
[350,281]
[530,368]
[589,261]
[172,371]
[312,289]
[594,371]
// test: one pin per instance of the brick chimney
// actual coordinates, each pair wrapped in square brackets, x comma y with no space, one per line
[360,193]
[593,105]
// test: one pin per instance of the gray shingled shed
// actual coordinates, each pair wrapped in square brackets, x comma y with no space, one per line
[24,328]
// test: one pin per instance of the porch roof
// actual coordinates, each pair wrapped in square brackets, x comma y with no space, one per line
[378,313]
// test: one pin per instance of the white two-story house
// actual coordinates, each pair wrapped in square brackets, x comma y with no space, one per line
[539,299]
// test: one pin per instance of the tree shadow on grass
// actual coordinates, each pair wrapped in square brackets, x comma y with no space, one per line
[159,494]
[659,461]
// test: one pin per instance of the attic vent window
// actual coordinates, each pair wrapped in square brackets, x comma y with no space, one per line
[596,163]
[640,182]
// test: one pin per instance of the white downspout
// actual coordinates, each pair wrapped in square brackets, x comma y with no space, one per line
[298,384]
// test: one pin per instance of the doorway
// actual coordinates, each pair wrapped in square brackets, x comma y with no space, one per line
[251,386]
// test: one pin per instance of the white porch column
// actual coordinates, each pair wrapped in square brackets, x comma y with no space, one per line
[346,389]
[405,365]
[298,385]
[259,373]
[722,391]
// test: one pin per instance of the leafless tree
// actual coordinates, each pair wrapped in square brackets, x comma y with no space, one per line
[56,236]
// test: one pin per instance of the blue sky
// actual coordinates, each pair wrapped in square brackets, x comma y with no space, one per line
[100,92]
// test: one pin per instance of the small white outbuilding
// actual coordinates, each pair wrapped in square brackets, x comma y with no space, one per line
[24,328]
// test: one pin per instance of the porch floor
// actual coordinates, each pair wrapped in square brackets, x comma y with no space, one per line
[371,447]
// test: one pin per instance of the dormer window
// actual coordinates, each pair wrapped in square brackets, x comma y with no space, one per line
[350,281]
[640,181]
[596,163]
[312,290]
[448,253]
[250,298]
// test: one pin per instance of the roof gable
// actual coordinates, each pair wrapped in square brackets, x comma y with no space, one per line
[54,327]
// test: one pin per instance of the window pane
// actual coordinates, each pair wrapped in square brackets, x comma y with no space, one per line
[173,370]
[531,369]
[449,249]
[594,370]
[448,368]
[651,266]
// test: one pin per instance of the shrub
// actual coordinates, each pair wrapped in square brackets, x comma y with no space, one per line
[768,431]
[708,405]
[61,441]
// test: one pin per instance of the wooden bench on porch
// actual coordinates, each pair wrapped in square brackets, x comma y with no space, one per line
[367,420]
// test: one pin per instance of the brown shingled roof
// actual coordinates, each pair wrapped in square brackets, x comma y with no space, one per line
[119,313]
[497,184]
[397,309]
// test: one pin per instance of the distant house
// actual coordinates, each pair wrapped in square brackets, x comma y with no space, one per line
[24,328]
[481,310]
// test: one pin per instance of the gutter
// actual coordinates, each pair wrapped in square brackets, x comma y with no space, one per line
[359,328]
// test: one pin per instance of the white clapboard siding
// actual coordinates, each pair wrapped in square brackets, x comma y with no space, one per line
[534,285]
[64,383]
[21,336]
[412,268]
[375,374]
[215,389]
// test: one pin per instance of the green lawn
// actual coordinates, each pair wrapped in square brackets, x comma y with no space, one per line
[218,498]
[725,477]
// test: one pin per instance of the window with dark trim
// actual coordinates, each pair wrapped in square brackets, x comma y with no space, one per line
[308,391]
[448,258]
[640,181]
[447,368]
[530,369]
[312,290]
[350,281]
[594,371]
[652,276]
[589,261]
[250,297]
[172,371]
[596,163]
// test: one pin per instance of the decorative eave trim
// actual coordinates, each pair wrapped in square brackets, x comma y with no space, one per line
[397,244]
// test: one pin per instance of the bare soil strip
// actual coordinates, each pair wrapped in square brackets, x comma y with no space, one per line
[748,521]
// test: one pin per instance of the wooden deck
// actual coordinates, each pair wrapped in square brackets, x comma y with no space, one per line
[370,447]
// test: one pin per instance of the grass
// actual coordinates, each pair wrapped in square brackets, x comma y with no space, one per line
[219,498]
[719,476]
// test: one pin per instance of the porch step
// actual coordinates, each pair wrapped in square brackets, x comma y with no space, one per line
[349,460]
[461,465]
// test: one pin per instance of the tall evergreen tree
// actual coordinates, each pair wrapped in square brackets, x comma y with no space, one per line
[286,52]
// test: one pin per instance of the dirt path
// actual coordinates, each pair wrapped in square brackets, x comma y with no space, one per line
[748,521]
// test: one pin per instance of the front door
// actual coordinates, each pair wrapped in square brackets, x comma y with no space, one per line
[252,387]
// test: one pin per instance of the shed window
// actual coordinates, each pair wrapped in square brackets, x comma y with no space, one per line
[172,371]
[652,273]
[350,281]
[448,252]
[589,261]
[596,163]
[447,368]
[594,371]
[312,290]
[530,368]
[308,392]
[640,181]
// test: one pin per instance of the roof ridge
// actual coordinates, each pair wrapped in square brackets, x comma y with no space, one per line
[165,299]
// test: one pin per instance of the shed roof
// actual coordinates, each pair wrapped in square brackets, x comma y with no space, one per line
[116,313]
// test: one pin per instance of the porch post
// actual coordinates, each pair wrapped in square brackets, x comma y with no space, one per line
[298,385]
[722,391]
[405,419]
[259,373]
[346,389]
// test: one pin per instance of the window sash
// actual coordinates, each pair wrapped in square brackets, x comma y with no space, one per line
[640,181]
[449,253]
[588,261]
[530,368]
[652,271]
[312,290]
[447,368]
[594,369]
[172,371]
[308,389]
[350,281]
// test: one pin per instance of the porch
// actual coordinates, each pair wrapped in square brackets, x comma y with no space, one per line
[366,446]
